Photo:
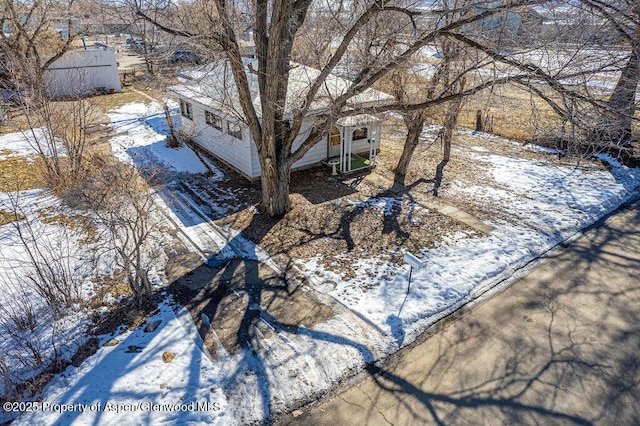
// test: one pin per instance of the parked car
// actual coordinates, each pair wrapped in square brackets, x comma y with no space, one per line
[186,56]
[131,40]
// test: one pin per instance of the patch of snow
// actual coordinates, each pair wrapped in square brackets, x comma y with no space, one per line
[545,149]
[395,115]
[545,205]
[29,350]
[479,149]
[607,158]
[142,132]
[132,381]
[26,144]
[424,70]
[387,204]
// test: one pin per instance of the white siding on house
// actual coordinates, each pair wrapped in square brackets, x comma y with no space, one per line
[213,85]
[362,146]
[315,155]
[255,161]
[243,154]
[224,146]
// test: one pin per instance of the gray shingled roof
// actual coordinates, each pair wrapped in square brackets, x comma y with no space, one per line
[213,85]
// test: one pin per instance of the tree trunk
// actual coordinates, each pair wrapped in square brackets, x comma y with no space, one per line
[172,137]
[449,126]
[479,124]
[415,125]
[276,180]
[622,102]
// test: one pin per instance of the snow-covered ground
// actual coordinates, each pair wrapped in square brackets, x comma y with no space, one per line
[142,131]
[540,205]
[24,144]
[129,381]
[32,335]
[544,205]
[28,349]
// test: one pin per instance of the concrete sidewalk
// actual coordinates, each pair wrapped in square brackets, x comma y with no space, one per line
[561,346]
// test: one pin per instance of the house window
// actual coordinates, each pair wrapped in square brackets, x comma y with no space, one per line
[334,136]
[186,110]
[360,133]
[234,129]
[213,120]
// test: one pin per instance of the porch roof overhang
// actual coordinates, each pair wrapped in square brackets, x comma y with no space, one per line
[357,120]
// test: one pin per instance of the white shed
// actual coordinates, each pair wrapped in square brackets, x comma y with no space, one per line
[211,115]
[82,71]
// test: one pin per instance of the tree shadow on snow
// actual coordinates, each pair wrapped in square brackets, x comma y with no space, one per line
[245,307]
[107,381]
[246,310]
[570,357]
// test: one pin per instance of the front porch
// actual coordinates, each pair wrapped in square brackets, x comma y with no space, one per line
[357,163]
[353,143]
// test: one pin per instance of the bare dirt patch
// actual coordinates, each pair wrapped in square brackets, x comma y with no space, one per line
[349,217]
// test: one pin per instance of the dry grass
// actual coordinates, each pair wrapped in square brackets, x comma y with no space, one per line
[117,100]
[20,173]
[8,217]
[156,85]
[17,122]
[76,223]
[515,113]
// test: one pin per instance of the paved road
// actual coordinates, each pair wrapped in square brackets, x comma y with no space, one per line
[561,346]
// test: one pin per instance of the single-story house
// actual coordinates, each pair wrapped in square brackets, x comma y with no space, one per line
[83,71]
[212,117]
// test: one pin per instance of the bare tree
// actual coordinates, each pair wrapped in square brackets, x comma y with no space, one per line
[276,27]
[60,132]
[173,140]
[53,266]
[125,207]
[622,18]
[32,44]
[449,78]
[280,29]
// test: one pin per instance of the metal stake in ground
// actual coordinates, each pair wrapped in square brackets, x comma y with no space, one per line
[413,262]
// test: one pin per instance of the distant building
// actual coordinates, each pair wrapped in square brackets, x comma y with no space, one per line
[83,71]
[516,26]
